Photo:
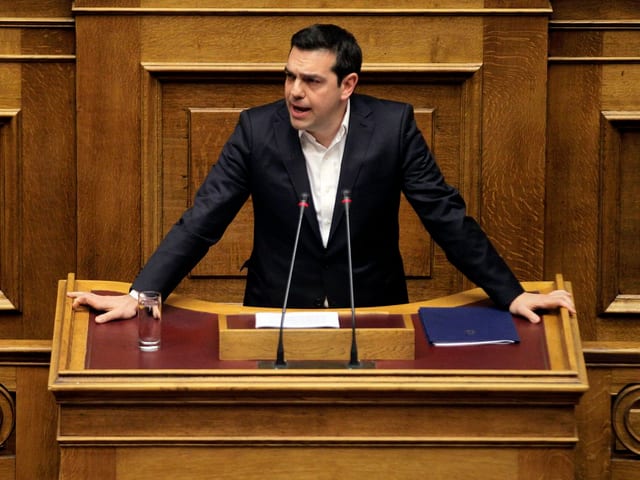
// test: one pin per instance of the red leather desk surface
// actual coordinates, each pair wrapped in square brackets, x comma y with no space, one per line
[190,341]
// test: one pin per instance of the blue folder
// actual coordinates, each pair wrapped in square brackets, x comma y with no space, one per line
[462,326]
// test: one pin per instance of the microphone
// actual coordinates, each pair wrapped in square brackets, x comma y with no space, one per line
[280,361]
[353,362]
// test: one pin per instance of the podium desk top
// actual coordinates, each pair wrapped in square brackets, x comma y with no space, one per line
[106,356]
[190,340]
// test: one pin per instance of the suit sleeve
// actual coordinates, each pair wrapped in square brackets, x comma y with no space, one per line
[216,203]
[443,213]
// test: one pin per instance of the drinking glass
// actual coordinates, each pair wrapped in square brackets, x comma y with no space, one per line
[149,320]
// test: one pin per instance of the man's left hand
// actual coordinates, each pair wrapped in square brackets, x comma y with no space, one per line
[526,303]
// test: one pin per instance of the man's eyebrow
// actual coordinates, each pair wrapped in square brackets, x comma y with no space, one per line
[304,76]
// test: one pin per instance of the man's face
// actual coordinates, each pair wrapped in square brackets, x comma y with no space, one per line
[315,101]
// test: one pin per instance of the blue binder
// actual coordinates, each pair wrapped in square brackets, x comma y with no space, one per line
[462,326]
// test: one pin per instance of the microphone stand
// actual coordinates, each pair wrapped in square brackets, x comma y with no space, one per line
[353,362]
[280,361]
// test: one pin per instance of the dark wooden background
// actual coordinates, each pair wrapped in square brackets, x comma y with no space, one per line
[112,111]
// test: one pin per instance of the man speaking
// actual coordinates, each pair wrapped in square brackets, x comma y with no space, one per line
[323,138]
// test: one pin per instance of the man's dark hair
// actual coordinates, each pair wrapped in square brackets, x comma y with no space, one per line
[334,39]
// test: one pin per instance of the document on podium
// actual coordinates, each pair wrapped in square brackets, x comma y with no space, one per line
[464,326]
[319,319]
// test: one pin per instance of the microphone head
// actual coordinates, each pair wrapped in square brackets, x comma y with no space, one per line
[304,197]
[346,193]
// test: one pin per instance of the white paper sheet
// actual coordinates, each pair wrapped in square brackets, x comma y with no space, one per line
[320,319]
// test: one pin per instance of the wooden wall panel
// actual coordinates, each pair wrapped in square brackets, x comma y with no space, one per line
[571,229]
[208,130]
[592,215]
[10,212]
[441,65]
[592,129]
[513,133]
[529,105]
[28,417]
[37,219]
[37,167]
[444,103]
[608,413]
[36,424]
[108,147]
[619,291]
[48,176]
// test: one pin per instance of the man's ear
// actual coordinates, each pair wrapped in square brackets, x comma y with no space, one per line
[349,85]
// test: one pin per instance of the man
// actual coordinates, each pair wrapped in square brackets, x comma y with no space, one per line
[322,138]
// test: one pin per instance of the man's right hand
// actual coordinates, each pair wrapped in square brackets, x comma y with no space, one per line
[116,307]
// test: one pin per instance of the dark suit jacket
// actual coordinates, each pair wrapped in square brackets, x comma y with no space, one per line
[385,155]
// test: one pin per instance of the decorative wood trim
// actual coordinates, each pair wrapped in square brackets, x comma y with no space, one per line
[611,300]
[7,415]
[594,25]
[217,69]
[413,12]
[10,211]
[59,31]
[611,354]
[36,58]
[623,416]
[33,22]
[151,164]
[594,60]
[18,352]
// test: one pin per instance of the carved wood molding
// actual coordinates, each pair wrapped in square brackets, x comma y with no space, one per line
[626,418]
[10,214]
[272,8]
[615,283]
[7,415]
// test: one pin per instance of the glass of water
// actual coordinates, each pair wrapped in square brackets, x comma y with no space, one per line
[149,320]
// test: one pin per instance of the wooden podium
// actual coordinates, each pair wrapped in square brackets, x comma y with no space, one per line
[487,412]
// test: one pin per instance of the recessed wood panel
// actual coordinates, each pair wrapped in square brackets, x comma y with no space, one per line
[260,38]
[619,265]
[10,211]
[209,130]
[591,10]
[320,463]
[630,211]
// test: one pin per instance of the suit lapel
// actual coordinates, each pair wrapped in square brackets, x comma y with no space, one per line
[353,158]
[293,159]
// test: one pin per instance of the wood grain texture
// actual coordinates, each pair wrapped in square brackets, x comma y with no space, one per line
[99,67]
[36,445]
[572,225]
[37,165]
[108,149]
[513,140]
[322,463]
[594,428]
[31,451]
[48,177]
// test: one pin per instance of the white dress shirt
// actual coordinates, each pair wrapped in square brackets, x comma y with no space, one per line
[323,168]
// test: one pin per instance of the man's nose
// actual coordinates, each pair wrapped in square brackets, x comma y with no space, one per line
[297,89]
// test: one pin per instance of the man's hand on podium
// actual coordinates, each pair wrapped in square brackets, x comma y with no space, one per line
[116,307]
[527,303]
